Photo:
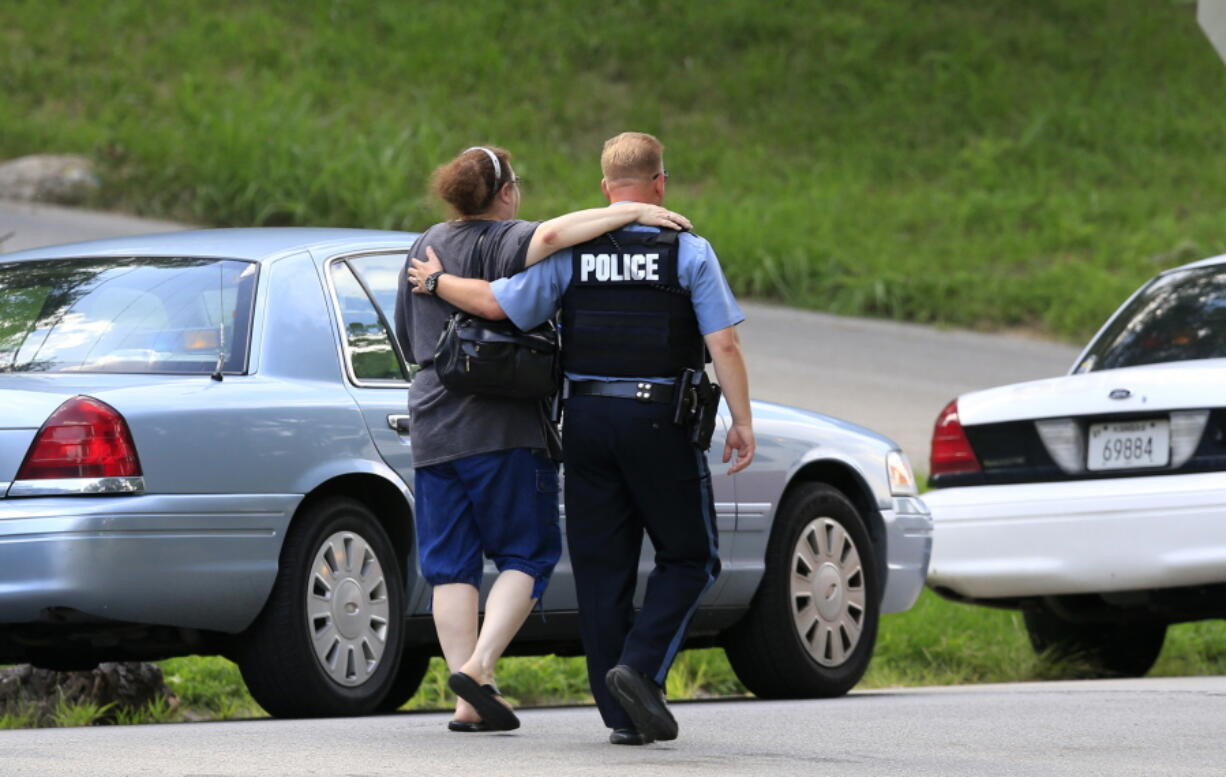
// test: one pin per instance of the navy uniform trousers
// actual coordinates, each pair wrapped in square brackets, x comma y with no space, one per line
[630,470]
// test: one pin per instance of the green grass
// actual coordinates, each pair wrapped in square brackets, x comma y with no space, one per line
[209,687]
[941,643]
[987,163]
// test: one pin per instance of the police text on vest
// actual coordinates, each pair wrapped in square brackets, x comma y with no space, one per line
[619,267]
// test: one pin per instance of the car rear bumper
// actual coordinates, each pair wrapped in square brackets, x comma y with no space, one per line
[1090,536]
[908,545]
[202,561]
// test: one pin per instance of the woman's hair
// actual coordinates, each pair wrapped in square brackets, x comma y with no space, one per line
[469,182]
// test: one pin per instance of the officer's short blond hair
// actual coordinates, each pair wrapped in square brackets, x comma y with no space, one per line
[631,155]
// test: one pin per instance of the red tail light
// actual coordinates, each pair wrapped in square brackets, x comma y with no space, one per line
[951,451]
[83,438]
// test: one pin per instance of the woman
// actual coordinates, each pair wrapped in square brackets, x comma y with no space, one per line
[486,476]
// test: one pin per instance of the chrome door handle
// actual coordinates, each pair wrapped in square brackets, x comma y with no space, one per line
[399,423]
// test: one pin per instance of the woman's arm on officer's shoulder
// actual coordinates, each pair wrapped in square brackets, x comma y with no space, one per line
[472,295]
[582,225]
[733,379]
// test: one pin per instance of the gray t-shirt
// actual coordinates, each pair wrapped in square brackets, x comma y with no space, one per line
[444,425]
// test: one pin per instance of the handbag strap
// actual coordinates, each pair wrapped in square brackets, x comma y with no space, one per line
[478,261]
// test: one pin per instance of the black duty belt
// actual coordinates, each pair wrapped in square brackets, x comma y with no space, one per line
[641,390]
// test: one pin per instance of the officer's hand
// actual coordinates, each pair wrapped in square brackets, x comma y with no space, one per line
[656,216]
[740,438]
[418,270]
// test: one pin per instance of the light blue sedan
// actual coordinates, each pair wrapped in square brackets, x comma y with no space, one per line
[204,449]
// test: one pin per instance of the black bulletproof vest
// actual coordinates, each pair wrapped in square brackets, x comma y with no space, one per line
[625,313]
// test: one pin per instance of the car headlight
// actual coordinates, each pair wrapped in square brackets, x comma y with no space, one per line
[902,479]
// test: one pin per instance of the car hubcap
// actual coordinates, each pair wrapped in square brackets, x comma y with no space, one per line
[827,592]
[347,608]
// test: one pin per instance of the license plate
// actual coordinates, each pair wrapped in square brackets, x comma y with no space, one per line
[1129,444]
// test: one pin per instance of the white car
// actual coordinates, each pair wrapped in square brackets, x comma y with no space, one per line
[1096,502]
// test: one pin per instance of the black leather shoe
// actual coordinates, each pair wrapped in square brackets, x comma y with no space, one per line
[643,701]
[627,736]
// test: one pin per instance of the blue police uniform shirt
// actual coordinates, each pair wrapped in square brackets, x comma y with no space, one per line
[531,297]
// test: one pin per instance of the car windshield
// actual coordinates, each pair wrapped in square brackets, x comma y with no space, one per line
[134,315]
[1177,317]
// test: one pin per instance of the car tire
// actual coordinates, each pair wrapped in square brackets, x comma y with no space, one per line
[328,641]
[810,634]
[1092,650]
[413,666]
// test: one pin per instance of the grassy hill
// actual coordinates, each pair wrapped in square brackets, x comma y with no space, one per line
[990,163]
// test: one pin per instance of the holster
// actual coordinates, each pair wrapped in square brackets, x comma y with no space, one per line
[695,405]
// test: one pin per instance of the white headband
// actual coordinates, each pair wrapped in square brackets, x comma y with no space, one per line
[493,158]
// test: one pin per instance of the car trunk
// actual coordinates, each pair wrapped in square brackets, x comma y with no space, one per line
[1143,421]
[1178,385]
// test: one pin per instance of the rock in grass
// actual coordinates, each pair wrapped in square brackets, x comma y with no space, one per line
[114,686]
[62,178]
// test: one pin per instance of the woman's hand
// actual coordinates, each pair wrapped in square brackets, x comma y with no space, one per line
[418,270]
[658,216]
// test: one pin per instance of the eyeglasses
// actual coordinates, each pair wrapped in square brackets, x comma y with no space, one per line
[517,180]
[661,173]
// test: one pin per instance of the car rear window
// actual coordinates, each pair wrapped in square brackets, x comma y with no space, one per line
[1179,316]
[134,315]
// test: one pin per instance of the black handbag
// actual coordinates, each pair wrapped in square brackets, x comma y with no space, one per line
[496,358]
[475,355]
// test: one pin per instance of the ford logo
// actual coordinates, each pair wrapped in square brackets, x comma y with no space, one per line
[1120,394]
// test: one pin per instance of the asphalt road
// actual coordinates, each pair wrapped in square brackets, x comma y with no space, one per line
[26,225]
[893,378]
[1116,728]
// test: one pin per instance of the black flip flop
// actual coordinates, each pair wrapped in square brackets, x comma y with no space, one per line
[467,726]
[494,714]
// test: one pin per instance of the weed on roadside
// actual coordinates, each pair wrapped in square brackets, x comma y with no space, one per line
[65,714]
[22,718]
[155,711]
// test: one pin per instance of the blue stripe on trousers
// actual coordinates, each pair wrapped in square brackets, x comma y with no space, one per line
[708,515]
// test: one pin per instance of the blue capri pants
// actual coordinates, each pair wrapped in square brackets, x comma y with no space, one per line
[503,505]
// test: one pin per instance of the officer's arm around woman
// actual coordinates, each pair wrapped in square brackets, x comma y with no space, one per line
[566,230]
[476,296]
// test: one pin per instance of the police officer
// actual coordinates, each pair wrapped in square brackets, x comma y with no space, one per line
[640,306]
